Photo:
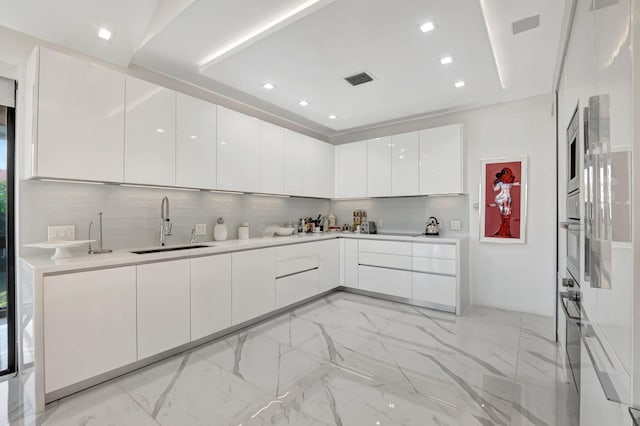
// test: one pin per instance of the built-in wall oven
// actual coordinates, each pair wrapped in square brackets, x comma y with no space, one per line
[570,302]
[574,152]
[573,225]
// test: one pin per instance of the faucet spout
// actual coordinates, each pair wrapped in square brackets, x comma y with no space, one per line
[165,221]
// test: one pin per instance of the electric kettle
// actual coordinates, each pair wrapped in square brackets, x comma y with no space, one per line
[433,226]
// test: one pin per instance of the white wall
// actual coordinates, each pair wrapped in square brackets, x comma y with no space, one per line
[511,276]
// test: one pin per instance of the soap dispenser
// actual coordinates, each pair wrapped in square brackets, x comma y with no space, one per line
[220,230]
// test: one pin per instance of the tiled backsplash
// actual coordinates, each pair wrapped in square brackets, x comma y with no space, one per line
[132,214]
[408,214]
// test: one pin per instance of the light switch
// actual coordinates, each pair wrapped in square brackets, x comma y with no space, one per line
[201,229]
[61,233]
[380,223]
[455,225]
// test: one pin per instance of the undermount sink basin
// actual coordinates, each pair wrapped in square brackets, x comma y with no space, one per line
[163,249]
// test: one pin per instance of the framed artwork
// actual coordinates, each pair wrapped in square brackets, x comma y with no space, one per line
[503,200]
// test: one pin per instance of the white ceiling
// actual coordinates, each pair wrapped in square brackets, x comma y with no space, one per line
[307,54]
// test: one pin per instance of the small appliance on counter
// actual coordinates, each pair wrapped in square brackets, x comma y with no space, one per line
[368,228]
[433,226]
[220,230]
[243,231]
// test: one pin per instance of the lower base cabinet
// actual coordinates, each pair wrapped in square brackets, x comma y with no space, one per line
[435,289]
[387,281]
[350,259]
[210,295]
[163,306]
[253,289]
[89,324]
[296,287]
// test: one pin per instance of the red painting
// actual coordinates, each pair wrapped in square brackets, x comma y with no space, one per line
[503,200]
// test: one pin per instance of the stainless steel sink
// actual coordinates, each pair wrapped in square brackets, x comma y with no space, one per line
[163,249]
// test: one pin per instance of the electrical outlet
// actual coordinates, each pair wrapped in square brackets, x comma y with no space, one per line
[455,225]
[61,233]
[201,229]
[380,223]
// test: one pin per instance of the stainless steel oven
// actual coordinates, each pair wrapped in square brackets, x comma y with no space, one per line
[570,302]
[573,249]
[574,152]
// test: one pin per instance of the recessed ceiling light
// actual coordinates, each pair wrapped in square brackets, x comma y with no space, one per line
[446,60]
[269,86]
[303,103]
[193,137]
[332,117]
[104,34]
[459,84]
[160,130]
[427,26]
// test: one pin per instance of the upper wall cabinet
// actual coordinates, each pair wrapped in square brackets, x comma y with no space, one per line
[195,143]
[294,152]
[271,159]
[150,134]
[238,151]
[404,164]
[318,168]
[351,170]
[76,126]
[441,160]
[379,167]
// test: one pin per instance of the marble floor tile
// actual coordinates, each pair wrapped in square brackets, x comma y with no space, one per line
[343,360]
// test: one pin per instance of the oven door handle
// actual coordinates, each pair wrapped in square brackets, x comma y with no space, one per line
[565,296]
[571,226]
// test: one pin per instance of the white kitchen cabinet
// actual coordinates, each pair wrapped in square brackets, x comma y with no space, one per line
[385,281]
[76,126]
[150,134]
[318,169]
[238,151]
[271,158]
[210,294]
[253,284]
[294,153]
[195,143]
[163,306]
[89,324]
[351,170]
[441,170]
[404,164]
[350,257]
[379,167]
[329,252]
[296,287]
[435,289]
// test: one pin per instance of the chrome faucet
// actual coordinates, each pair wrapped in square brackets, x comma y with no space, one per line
[165,222]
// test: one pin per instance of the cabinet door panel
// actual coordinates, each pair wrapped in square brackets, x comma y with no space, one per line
[238,151]
[89,324]
[404,164]
[253,288]
[351,170]
[294,152]
[441,160]
[438,251]
[386,247]
[195,143]
[210,295]
[386,260]
[150,134]
[163,306]
[385,281]
[295,288]
[80,133]
[271,159]
[438,266]
[379,167]
[351,263]
[436,289]
[329,264]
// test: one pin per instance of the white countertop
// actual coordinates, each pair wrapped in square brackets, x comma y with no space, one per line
[44,265]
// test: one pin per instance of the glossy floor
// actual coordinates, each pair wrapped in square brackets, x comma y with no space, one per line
[341,360]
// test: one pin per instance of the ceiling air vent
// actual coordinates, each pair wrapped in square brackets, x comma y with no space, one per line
[358,79]
[525,24]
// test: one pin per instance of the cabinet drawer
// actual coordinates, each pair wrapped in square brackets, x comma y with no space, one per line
[436,289]
[291,266]
[386,247]
[385,281]
[386,260]
[294,251]
[296,287]
[438,251]
[438,266]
